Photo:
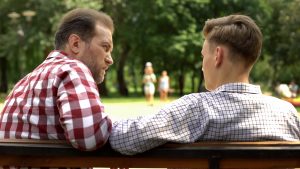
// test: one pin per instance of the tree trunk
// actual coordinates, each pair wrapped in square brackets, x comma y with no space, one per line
[193,81]
[122,87]
[3,75]
[181,83]
[134,78]
[200,87]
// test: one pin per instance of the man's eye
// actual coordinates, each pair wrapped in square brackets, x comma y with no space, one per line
[106,48]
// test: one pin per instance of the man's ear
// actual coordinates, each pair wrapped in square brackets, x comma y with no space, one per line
[219,56]
[74,43]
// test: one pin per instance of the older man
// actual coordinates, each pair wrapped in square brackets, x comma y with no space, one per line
[60,98]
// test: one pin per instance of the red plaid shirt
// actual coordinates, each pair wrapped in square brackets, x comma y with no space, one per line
[58,100]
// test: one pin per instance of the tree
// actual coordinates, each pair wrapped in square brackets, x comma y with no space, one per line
[156,31]
[25,41]
[166,32]
[282,36]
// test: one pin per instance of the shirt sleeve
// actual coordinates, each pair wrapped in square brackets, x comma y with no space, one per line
[180,122]
[80,108]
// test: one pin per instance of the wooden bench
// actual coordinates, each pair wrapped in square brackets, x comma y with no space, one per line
[39,153]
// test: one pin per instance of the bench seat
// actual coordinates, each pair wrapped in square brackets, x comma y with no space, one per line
[213,155]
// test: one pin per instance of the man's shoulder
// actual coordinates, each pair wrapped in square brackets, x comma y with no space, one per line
[65,64]
[275,99]
[58,58]
[196,98]
[57,67]
[280,103]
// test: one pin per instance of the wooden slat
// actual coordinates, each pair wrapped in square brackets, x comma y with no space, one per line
[32,141]
[58,153]
[197,144]
[128,162]
[169,145]
[132,162]
[255,163]
[249,144]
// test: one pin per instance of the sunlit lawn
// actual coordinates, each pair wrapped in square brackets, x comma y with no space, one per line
[121,108]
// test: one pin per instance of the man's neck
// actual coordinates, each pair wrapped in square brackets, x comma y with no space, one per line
[68,52]
[233,74]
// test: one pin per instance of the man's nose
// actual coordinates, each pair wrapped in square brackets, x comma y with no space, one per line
[109,60]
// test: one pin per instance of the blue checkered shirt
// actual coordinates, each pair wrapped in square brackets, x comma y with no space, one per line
[232,112]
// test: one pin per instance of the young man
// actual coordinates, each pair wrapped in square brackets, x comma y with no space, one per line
[232,110]
[60,98]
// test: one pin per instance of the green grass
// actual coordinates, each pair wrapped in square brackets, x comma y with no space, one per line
[128,99]
[113,98]
[121,99]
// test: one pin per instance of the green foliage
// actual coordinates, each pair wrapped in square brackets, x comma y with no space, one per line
[282,37]
[25,43]
[166,32]
[261,71]
[94,4]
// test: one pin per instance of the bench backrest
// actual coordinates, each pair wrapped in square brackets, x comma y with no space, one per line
[57,153]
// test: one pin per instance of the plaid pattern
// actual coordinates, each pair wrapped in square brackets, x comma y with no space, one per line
[233,112]
[58,100]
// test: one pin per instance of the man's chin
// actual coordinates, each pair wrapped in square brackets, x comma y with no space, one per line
[99,81]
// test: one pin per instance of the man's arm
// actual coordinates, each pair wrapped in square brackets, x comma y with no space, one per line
[81,112]
[180,121]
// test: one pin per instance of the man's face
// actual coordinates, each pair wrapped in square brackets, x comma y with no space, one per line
[97,53]
[208,65]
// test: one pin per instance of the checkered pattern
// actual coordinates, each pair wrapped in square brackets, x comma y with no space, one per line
[233,112]
[58,100]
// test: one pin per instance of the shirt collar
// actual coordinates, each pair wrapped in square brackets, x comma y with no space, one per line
[56,53]
[239,88]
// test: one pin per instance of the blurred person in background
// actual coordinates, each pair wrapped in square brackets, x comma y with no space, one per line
[164,85]
[149,79]
[294,88]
